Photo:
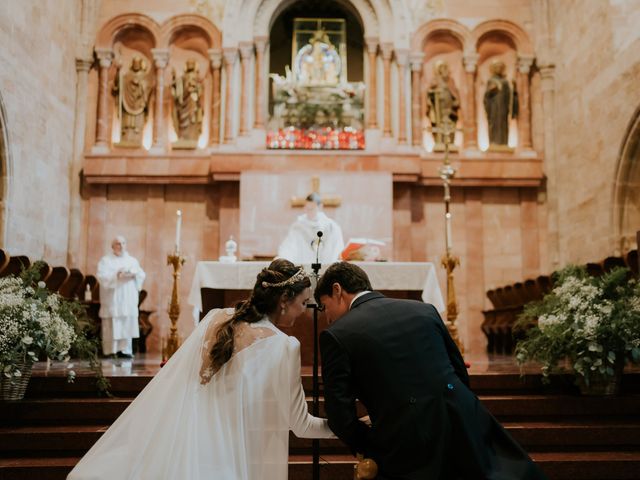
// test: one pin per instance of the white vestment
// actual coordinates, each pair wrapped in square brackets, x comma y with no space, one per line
[300,244]
[119,301]
[193,425]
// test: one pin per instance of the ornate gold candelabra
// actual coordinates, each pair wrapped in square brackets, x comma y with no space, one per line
[449,261]
[173,342]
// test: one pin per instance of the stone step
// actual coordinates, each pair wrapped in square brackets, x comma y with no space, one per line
[504,407]
[50,440]
[558,466]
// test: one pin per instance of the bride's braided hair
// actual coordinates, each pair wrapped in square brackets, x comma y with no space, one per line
[280,278]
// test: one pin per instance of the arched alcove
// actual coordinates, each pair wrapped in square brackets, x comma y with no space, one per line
[281,34]
[4,173]
[626,191]
[494,46]
[446,46]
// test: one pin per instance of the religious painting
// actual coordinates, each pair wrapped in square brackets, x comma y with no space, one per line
[315,107]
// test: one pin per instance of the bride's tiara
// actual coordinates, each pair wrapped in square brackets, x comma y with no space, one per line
[296,277]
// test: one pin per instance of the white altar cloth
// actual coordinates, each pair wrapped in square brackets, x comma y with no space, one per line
[416,276]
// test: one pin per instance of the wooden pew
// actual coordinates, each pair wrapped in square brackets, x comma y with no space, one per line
[58,276]
[16,265]
[70,287]
[4,260]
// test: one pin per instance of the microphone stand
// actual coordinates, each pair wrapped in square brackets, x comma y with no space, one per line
[315,396]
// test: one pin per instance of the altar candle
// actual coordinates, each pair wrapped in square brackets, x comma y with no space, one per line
[178,228]
[449,238]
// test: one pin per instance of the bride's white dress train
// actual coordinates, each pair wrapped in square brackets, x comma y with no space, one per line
[189,425]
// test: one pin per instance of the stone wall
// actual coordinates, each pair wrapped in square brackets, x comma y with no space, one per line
[597,52]
[37,84]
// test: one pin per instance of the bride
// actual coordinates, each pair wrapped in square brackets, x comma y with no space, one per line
[222,407]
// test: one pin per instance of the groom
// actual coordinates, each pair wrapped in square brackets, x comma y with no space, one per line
[397,358]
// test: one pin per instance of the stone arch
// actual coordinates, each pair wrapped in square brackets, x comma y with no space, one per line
[510,29]
[455,29]
[253,18]
[175,24]
[626,187]
[118,24]
[5,173]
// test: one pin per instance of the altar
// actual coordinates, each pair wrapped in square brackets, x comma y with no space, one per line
[217,285]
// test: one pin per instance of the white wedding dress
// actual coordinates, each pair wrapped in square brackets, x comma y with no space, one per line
[188,424]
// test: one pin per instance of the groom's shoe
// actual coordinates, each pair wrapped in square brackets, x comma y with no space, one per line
[124,355]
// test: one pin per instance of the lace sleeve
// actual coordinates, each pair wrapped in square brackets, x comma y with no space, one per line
[206,370]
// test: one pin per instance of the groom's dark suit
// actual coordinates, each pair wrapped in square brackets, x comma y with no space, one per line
[398,359]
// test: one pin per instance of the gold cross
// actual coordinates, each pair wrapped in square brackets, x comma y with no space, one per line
[327,201]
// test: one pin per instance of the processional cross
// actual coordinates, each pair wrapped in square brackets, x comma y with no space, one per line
[327,200]
[446,127]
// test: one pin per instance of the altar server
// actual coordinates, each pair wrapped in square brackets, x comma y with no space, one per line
[121,279]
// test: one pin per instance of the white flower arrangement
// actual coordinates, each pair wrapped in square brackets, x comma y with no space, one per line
[37,324]
[31,325]
[594,322]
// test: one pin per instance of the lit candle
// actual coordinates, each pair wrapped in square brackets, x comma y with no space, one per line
[449,239]
[178,228]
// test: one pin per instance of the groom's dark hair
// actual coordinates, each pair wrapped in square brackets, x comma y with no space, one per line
[350,277]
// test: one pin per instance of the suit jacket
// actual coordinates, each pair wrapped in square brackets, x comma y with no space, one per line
[398,359]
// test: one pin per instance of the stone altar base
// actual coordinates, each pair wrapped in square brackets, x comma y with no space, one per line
[569,436]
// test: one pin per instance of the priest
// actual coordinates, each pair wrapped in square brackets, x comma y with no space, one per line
[120,278]
[301,243]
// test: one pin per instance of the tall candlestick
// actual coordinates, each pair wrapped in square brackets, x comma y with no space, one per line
[178,228]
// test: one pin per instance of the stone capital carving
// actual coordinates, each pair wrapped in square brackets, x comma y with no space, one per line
[215,57]
[524,63]
[105,57]
[402,57]
[547,71]
[246,50]
[372,44]
[160,57]
[387,50]
[261,44]
[83,64]
[470,62]
[229,55]
[416,59]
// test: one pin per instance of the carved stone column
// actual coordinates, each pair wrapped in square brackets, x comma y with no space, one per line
[246,53]
[261,45]
[547,74]
[83,65]
[105,56]
[372,51]
[524,101]
[229,61]
[161,59]
[215,57]
[402,57]
[470,121]
[387,53]
[416,76]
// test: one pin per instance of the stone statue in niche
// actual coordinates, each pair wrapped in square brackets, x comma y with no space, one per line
[132,90]
[501,105]
[443,104]
[187,91]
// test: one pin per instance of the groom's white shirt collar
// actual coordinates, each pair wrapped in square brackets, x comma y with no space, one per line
[358,295]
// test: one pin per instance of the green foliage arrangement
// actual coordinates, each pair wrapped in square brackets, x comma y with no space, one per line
[37,324]
[593,322]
